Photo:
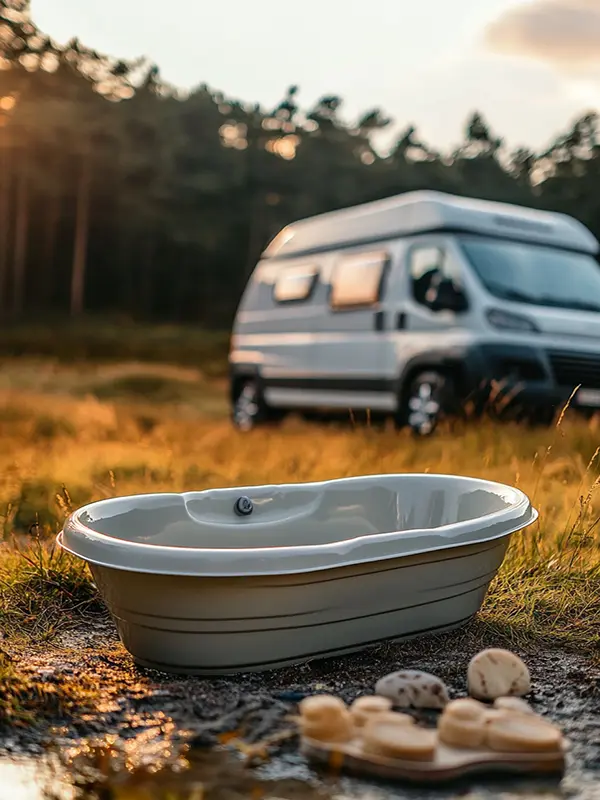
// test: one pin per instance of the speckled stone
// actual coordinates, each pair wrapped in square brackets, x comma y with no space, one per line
[413,688]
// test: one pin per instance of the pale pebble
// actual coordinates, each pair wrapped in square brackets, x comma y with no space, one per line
[495,673]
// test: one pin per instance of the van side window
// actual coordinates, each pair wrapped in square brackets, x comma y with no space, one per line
[426,263]
[358,280]
[295,284]
[430,266]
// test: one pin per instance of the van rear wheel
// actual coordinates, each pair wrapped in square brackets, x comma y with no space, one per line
[430,397]
[250,409]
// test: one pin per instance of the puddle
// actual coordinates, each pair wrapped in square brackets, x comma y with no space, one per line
[30,779]
[222,775]
[208,775]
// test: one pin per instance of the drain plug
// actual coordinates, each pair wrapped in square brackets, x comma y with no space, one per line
[243,506]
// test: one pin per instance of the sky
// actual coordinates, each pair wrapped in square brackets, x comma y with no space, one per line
[530,66]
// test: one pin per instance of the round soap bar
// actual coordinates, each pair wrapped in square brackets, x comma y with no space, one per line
[519,733]
[463,724]
[325,718]
[497,673]
[514,704]
[321,706]
[465,708]
[407,742]
[335,732]
[364,708]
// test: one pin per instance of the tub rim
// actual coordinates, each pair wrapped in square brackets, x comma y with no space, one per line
[98,548]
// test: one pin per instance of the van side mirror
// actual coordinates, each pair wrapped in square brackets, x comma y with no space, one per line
[446,297]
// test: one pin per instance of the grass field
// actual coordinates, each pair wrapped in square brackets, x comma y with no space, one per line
[71,433]
[114,341]
[76,430]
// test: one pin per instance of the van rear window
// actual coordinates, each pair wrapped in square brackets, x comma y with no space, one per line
[358,280]
[295,284]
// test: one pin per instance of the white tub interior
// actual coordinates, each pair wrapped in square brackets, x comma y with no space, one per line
[295,527]
[311,514]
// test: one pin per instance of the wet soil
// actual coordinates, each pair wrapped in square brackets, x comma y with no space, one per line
[133,724]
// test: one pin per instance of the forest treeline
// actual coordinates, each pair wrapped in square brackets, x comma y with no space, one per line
[121,195]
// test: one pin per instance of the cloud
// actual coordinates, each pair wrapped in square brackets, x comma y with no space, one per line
[562,33]
[524,103]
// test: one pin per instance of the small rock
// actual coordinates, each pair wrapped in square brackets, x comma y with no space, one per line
[204,740]
[497,673]
[411,687]
[291,696]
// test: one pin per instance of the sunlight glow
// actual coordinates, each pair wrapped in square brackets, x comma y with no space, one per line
[285,147]
[7,103]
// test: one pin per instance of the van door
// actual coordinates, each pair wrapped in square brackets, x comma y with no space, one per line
[349,336]
[431,264]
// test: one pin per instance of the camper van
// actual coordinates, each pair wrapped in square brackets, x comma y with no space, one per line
[411,305]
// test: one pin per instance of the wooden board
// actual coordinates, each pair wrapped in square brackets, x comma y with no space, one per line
[448,764]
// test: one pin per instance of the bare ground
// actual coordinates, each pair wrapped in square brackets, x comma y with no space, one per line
[147,718]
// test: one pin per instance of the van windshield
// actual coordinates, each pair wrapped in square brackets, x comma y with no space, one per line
[530,273]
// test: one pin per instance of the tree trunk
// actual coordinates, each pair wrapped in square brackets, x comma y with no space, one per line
[5,186]
[45,294]
[21,226]
[255,234]
[82,225]
[180,277]
[123,274]
[146,272]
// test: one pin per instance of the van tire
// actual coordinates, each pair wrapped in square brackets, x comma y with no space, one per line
[543,417]
[249,409]
[429,398]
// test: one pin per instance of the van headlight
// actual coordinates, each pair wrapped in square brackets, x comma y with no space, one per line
[508,321]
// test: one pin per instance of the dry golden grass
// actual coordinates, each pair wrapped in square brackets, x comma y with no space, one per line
[64,436]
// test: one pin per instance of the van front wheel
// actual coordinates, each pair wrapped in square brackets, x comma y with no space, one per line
[430,397]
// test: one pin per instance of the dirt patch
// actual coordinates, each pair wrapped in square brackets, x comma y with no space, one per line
[154,716]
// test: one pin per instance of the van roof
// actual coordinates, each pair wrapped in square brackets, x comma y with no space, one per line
[427,211]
